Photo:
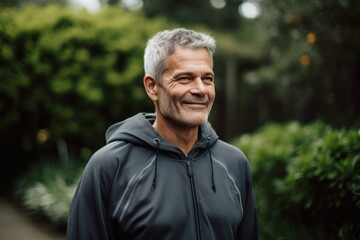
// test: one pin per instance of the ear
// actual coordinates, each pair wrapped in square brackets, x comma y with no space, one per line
[151,87]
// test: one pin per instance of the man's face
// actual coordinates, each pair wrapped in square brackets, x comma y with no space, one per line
[187,89]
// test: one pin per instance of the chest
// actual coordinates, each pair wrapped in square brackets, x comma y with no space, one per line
[183,202]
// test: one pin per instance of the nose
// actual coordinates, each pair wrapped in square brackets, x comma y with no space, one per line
[198,87]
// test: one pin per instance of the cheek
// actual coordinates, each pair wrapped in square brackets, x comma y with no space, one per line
[165,102]
[211,93]
[175,97]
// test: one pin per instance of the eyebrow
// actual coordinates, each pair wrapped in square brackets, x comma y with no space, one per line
[192,74]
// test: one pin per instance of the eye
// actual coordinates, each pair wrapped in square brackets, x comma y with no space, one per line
[208,79]
[184,79]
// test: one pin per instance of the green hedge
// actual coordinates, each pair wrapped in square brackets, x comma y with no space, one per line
[67,75]
[306,179]
[64,70]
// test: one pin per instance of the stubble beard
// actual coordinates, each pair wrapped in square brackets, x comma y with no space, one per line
[185,122]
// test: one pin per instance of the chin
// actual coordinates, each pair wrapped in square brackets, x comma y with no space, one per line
[189,120]
[195,122]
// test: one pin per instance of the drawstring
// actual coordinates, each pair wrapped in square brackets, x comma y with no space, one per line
[157,141]
[211,164]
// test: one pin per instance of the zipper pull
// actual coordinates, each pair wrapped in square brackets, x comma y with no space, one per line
[189,168]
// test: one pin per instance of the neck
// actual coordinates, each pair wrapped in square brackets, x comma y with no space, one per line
[182,137]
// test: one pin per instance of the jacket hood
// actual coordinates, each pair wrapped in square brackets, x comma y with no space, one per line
[139,130]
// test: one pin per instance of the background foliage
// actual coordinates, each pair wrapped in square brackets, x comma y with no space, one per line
[306,177]
[182,12]
[312,54]
[67,75]
[47,189]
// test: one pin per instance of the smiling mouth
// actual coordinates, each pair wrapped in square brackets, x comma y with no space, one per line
[196,105]
[195,102]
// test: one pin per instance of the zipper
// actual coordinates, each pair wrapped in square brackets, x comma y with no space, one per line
[194,200]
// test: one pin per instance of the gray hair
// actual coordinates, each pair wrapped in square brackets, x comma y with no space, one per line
[165,43]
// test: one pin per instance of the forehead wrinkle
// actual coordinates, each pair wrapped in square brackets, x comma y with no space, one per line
[177,64]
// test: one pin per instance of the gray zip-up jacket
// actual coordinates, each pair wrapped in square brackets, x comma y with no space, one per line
[139,186]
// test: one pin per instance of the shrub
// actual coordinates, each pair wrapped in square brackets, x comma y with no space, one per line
[68,75]
[325,183]
[62,70]
[306,178]
[47,189]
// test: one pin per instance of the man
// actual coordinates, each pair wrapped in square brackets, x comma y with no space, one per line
[167,175]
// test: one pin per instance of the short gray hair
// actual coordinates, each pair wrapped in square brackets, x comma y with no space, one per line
[165,43]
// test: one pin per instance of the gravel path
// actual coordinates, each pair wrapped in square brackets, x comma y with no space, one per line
[16,225]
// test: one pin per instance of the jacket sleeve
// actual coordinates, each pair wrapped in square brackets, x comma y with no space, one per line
[248,229]
[88,215]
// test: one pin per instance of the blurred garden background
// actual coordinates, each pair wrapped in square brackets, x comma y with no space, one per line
[288,95]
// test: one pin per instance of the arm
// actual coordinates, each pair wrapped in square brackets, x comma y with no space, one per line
[88,216]
[248,230]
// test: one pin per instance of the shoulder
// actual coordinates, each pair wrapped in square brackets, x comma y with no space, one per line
[231,158]
[228,151]
[118,155]
[106,159]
